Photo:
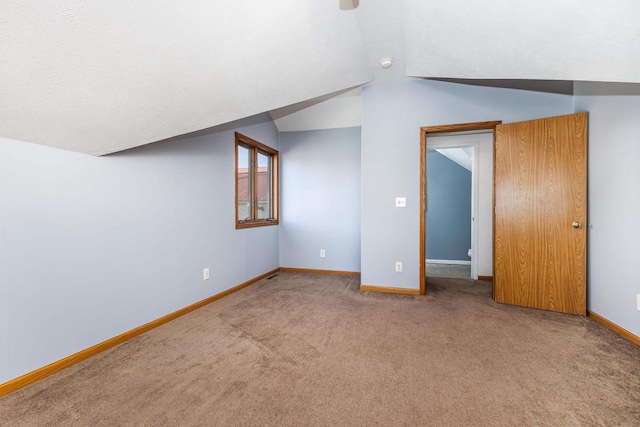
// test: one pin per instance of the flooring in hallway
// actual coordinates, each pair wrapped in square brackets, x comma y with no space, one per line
[448,270]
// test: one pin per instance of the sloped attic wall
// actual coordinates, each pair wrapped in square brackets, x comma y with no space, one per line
[95,246]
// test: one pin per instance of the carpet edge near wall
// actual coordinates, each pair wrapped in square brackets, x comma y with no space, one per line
[628,335]
[57,366]
[50,369]
[316,271]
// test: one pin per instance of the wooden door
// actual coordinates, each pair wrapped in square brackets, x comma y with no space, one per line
[541,213]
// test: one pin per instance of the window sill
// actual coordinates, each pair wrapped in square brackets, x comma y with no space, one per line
[252,224]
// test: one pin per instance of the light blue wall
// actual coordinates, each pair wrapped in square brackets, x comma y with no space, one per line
[614,199]
[96,246]
[392,115]
[320,199]
[448,217]
[4,302]
[92,247]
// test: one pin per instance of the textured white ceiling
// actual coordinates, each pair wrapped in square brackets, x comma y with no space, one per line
[383,30]
[502,39]
[99,77]
[327,112]
[382,23]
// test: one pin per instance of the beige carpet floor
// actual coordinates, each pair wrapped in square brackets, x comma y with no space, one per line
[448,270]
[304,349]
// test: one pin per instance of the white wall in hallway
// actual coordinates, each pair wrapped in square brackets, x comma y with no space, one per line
[484,218]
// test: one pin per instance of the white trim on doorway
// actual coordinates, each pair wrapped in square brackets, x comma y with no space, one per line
[436,142]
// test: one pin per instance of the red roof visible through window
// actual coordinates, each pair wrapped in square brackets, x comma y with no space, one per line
[263,185]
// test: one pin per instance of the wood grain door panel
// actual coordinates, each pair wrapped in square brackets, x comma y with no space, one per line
[540,190]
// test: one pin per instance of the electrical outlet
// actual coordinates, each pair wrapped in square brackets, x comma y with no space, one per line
[205,274]
[322,253]
[401,202]
[398,267]
[638,301]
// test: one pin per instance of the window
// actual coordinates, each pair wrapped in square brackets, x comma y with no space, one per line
[256,183]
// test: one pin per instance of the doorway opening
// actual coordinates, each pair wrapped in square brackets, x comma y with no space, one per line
[452,175]
[479,138]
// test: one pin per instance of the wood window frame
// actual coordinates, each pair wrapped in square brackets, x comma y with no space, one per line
[258,148]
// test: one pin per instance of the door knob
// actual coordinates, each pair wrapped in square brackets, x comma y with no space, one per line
[575,224]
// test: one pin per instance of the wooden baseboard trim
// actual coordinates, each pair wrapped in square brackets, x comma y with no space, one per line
[45,371]
[615,328]
[389,290]
[310,270]
[487,278]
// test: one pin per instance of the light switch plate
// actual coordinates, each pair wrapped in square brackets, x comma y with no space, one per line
[401,202]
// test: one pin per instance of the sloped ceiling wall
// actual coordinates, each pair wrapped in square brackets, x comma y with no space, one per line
[100,77]
[588,40]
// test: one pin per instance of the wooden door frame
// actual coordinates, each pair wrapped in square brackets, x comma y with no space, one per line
[424,132]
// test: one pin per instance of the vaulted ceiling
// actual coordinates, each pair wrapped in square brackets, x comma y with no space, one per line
[100,77]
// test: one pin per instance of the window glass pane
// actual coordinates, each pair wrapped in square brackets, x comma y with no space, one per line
[264,186]
[256,183]
[244,184]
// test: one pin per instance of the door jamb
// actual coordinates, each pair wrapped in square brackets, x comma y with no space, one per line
[424,131]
